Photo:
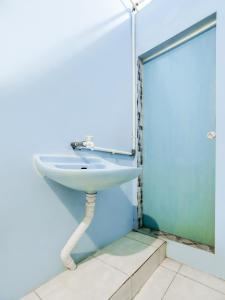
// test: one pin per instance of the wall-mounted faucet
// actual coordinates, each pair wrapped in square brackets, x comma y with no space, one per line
[87,143]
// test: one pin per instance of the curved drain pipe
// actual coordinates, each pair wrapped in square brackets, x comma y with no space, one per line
[75,237]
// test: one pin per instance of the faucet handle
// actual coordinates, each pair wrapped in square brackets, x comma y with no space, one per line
[88,138]
[89,142]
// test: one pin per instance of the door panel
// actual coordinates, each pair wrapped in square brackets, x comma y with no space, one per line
[179,159]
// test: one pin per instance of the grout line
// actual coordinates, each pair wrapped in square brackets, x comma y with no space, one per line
[125,282]
[185,276]
[112,266]
[167,269]
[37,294]
[178,271]
[150,235]
[136,240]
[171,269]
[145,282]
[131,275]
[175,275]
[198,280]
[155,250]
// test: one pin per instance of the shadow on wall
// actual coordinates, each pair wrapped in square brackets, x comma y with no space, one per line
[150,222]
[110,204]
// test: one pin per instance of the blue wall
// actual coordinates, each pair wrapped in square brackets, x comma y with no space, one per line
[65,72]
[157,23]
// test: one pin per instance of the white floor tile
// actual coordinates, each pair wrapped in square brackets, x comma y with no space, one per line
[62,294]
[145,272]
[146,239]
[124,293]
[92,279]
[126,255]
[55,284]
[187,289]
[31,296]
[171,264]
[162,252]
[157,285]
[204,278]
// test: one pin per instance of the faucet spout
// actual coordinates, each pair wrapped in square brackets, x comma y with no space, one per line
[77,145]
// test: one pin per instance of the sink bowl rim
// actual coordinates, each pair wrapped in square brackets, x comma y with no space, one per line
[109,166]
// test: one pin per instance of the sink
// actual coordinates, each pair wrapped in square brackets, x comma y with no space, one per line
[87,174]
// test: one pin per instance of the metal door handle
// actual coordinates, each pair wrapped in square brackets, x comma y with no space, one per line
[211,135]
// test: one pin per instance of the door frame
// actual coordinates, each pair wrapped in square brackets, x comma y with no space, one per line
[168,45]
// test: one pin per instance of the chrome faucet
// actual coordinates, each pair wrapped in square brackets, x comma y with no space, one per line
[87,143]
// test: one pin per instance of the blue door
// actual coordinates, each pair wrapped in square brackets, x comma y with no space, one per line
[179,144]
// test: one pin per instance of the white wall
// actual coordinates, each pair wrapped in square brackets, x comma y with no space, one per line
[157,23]
[64,72]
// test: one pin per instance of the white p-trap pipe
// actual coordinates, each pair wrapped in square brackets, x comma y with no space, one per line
[75,237]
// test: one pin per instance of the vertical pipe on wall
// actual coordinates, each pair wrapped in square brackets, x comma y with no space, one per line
[133,45]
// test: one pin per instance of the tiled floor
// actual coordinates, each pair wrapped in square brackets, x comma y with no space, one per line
[173,281]
[116,272]
[122,271]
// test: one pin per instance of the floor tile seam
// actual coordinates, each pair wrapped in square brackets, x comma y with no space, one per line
[150,235]
[155,250]
[112,266]
[140,242]
[144,283]
[45,283]
[130,279]
[133,239]
[174,276]
[145,243]
[115,268]
[130,275]
[178,271]
[70,289]
[126,237]
[203,284]
[167,289]
[168,269]
[125,282]
[98,259]
[158,249]
[37,294]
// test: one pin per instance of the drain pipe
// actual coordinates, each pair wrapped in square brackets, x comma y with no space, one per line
[75,237]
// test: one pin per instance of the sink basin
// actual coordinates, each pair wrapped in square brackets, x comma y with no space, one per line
[87,174]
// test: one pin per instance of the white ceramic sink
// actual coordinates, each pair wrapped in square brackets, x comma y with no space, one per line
[87,174]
